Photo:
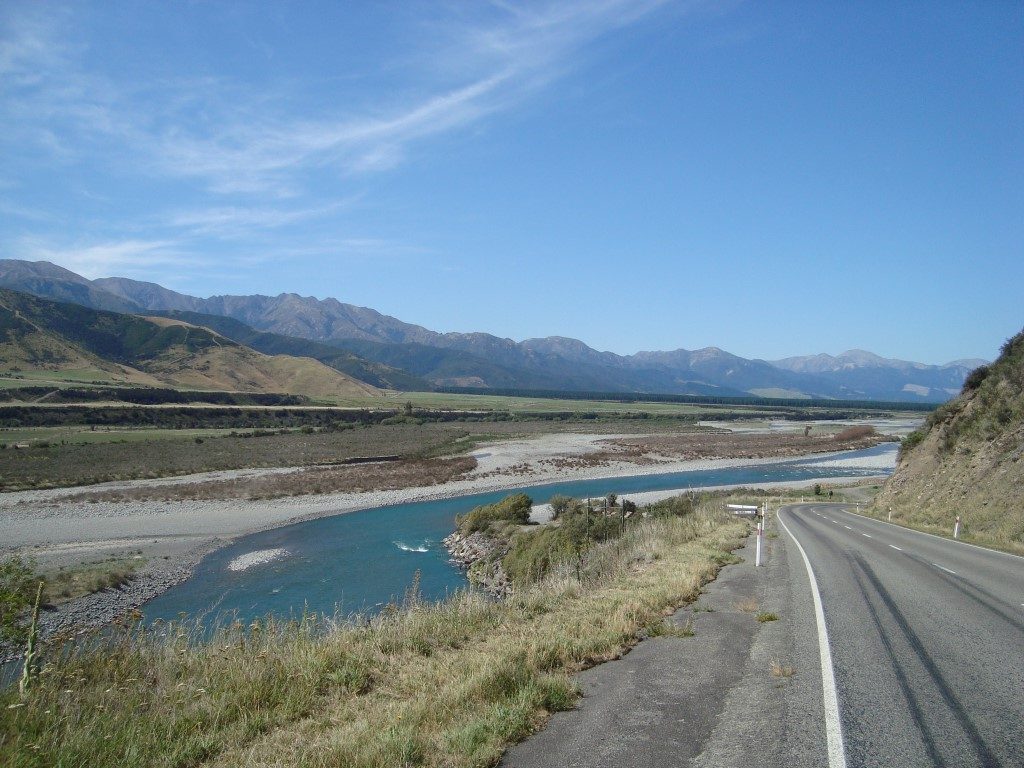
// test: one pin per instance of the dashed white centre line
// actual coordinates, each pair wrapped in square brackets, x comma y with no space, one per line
[868,535]
[895,547]
[944,568]
[847,527]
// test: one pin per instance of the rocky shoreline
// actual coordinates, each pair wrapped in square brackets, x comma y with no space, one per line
[99,609]
[480,555]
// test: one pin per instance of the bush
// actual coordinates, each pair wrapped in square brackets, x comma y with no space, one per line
[677,506]
[535,553]
[975,377]
[911,441]
[514,509]
[855,433]
[17,590]
[559,505]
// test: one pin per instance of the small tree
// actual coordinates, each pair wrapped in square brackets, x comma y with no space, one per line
[817,489]
[559,505]
[611,499]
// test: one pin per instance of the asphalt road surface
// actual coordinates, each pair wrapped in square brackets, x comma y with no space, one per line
[926,639]
[924,664]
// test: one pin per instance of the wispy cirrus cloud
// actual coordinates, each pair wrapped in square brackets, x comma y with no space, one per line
[207,169]
[115,257]
[243,138]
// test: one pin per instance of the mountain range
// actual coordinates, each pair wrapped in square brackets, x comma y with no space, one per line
[80,343]
[387,352]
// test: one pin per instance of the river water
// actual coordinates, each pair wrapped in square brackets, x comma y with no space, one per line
[357,562]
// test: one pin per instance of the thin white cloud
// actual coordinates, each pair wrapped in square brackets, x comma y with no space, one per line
[234,222]
[124,257]
[250,140]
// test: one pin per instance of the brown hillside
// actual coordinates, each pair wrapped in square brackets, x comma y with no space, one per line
[968,460]
[77,343]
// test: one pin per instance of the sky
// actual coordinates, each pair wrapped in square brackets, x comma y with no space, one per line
[772,178]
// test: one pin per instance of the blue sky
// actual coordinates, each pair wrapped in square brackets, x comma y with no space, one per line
[771,178]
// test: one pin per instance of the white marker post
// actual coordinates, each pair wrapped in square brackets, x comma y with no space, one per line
[757,552]
[890,514]
[956,528]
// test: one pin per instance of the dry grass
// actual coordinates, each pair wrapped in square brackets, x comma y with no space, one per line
[747,605]
[358,478]
[64,465]
[731,445]
[437,685]
[778,669]
[84,579]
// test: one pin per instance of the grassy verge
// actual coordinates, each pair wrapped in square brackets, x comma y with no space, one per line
[441,684]
[68,583]
[1004,535]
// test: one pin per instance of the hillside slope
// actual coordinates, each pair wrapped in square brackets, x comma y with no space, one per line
[41,335]
[373,373]
[968,460]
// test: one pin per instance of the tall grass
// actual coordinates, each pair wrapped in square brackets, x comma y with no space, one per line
[449,684]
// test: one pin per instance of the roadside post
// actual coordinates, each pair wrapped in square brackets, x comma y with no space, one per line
[956,528]
[760,531]
[750,510]
[890,514]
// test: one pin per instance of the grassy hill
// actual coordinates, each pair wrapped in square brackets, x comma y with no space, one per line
[375,373]
[968,460]
[41,335]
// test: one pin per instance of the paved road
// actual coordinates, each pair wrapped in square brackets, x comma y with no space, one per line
[706,701]
[927,641]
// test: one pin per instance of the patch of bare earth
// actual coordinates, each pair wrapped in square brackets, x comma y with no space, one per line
[379,476]
[652,449]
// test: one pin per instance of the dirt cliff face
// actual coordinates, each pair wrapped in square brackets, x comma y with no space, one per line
[968,460]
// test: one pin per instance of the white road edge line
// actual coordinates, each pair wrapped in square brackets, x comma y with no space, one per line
[895,547]
[944,568]
[833,726]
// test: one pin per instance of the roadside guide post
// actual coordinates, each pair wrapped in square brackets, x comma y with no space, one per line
[890,514]
[760,529]
[956,528]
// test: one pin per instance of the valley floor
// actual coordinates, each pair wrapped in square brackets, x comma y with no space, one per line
[167,536]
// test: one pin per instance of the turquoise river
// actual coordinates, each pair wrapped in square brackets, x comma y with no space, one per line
[358,561]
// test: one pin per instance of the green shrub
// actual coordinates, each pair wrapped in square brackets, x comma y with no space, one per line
[912,440]
[17,588]
[515,509]
[560,505]
[975,377]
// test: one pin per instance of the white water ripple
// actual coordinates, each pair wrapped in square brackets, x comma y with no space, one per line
[259,557]
[406,548]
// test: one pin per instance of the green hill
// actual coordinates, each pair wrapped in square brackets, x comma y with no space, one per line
[45,336]
[968,460]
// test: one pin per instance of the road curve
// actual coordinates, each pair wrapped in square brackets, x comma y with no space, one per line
[927,640]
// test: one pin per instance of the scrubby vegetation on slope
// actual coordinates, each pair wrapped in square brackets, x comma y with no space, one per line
[968,460]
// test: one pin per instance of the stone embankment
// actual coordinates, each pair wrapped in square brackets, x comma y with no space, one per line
[481,556]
